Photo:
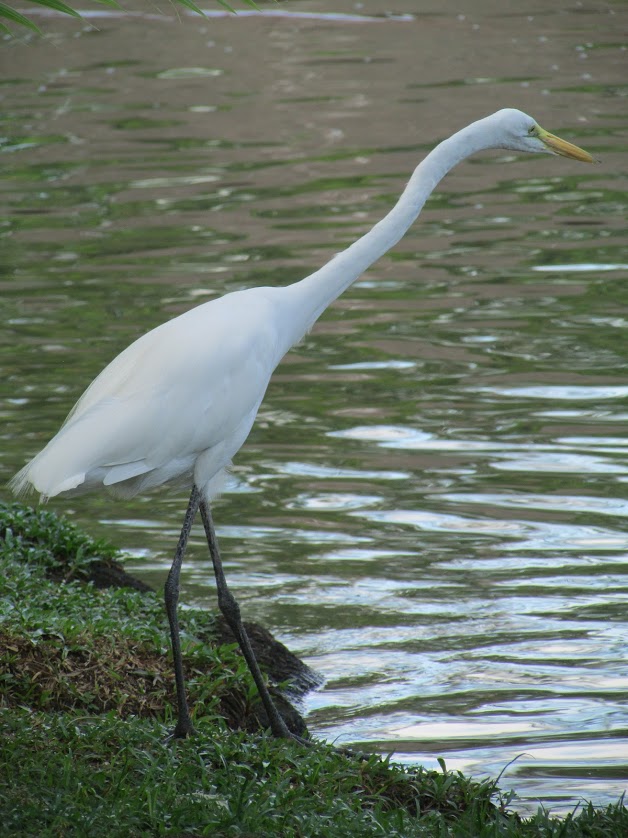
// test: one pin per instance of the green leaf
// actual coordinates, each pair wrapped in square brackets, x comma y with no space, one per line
[189,4]
[58,6]
[10,14]
[7,13]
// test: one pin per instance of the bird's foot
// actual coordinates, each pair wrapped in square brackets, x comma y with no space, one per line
[308,743]
[183,729]
[282,731]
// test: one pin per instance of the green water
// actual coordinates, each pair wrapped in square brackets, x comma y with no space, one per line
[431,508]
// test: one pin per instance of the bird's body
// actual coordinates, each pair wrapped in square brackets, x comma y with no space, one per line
[179,402]
[182,400]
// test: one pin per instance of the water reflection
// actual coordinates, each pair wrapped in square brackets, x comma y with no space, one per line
[431,507]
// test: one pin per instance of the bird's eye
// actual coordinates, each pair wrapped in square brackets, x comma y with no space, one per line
[532,131]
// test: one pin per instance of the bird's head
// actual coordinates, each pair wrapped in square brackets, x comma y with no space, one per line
[517,131]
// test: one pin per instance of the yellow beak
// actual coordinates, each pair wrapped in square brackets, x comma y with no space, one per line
[562,147]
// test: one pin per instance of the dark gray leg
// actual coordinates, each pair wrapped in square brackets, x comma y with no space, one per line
[231,612]
[171,594]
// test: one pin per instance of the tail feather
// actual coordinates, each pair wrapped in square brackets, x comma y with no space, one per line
[27,480]
[20,484]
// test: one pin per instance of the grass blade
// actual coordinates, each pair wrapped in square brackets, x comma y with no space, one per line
[189,4]
[58,6]
[8,13]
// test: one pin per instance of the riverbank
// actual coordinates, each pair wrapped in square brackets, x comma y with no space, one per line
[86,691]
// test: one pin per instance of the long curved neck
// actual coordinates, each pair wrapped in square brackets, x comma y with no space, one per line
[308,298]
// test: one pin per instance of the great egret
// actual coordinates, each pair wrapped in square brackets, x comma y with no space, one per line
[179,402]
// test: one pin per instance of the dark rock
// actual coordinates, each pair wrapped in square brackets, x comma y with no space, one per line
[282,666]
[279,663]
[106,573]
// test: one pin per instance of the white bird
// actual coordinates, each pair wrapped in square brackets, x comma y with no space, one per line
[179,402]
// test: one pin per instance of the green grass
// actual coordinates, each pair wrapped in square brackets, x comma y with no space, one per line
[11,15]
[85,695]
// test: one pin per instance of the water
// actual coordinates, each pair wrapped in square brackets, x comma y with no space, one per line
[431,508]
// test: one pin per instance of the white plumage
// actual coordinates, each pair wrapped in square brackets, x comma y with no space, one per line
[177,403]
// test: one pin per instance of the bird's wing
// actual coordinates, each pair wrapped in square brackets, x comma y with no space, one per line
[192,384]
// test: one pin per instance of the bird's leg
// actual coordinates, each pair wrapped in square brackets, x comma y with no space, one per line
[231,611]
[171,594]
